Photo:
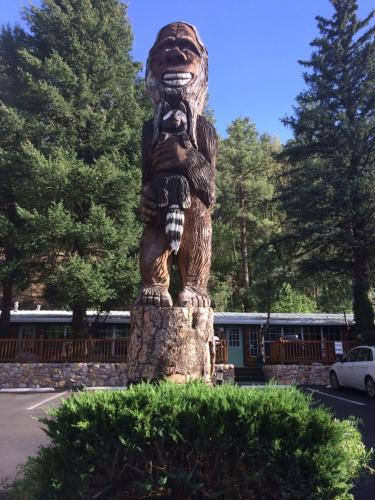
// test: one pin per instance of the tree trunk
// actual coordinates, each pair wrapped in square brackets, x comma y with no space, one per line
[362,307]
[7,283]
[244,253]
[245,256]
[79,322]
[171,343]
[6,304]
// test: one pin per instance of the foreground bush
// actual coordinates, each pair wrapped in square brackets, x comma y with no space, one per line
[193,441]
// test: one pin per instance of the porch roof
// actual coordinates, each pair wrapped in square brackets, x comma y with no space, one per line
[220,318]
[235,318]
[47,316]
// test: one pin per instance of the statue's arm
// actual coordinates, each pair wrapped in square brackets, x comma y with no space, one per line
[197,165]
[149,210]
[200,165]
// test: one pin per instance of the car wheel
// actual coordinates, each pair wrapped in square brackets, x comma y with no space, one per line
[335,384]
[370,387]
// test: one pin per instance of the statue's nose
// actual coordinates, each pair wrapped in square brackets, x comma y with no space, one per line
[176,55]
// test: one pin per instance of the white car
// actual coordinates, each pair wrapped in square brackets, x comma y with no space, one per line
[357,369]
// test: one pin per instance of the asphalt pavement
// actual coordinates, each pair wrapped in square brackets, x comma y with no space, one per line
[20,431]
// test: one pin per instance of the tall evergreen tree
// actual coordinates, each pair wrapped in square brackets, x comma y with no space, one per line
[329,193]
[16,180]
[79,97]
[244,218]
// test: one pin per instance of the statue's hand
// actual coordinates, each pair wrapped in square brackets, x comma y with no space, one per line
[168,155]
[149,210]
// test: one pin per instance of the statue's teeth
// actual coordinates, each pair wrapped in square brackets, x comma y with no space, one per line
[177,79]
[177,83]
[177,76]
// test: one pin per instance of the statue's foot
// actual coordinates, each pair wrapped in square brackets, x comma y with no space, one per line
[193,297]
[154,296]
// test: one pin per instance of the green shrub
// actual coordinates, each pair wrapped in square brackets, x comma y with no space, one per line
[193,441]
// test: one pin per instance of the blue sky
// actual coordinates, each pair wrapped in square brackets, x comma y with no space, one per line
[253,47]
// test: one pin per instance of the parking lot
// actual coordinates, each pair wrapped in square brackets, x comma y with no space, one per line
[20,432]
[21,435]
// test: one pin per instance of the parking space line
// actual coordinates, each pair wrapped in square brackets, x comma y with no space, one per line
[337,397]
[46,400]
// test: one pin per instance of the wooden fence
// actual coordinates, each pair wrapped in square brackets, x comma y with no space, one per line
[62,350]
[305,351]
[75,350]
[221,352]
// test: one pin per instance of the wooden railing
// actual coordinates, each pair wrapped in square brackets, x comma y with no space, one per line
[75,350]
[305,351]
[62,350]
[221,352]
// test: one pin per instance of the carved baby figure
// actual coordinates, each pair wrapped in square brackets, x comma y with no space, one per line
[178,170]
[173,190]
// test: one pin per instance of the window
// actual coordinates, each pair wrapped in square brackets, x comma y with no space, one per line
[26,335]
[234,339]
[220,332]
[56,331]
[311,333]
[331,333]
[121,331]
[111,331]
[274,333]
[27,332]
[352,355]
[292,330]
[253,341]
[104,331]
[364,354]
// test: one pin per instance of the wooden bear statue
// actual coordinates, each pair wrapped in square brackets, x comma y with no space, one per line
[178,170]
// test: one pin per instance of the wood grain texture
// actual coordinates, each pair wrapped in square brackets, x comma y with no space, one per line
[194,255]
[179,149]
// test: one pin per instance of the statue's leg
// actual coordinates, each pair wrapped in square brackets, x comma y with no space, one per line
[194,256]
[154,257]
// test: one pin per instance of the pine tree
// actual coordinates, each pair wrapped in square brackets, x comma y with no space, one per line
[245,211]
[329,194]
[79,97]
[289,300]
[16,180]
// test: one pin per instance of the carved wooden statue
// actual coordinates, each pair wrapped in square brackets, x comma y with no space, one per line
[178,170]
[178,174]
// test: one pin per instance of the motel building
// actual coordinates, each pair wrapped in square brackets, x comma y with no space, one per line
[241,338]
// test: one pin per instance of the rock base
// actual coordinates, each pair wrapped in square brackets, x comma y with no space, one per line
[171,343]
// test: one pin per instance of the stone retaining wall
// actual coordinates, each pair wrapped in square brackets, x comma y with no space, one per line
[314,374]
[61,375]
[68,375]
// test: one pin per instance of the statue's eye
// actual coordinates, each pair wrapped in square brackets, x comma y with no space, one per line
[185,45]
[166,45]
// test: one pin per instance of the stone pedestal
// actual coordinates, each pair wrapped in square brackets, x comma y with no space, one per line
[171,343]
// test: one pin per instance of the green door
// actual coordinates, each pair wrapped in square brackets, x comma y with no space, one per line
[235,346]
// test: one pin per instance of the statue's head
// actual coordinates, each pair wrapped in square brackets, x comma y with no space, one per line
[177,70]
